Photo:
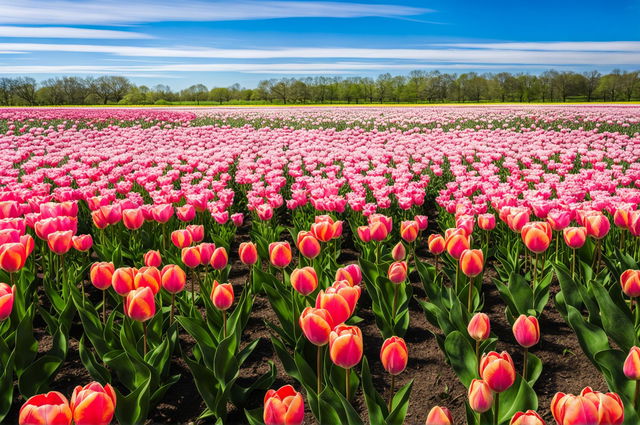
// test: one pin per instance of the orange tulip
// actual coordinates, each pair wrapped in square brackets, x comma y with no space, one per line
[479,327]
[101,275]
[621,217]
[439,416]
[283,407]
[397,272]
[350,273]
[304,280]
[152,259]
[526,330]
[51,408]
[345,346]
[248,253]
[132,218]
[173,278]
[398,253]
[498,371]
[222,295]
[122,280]
[471,262]
[191,256]
[323,231]
[316,324]
[536,236]
[82,243]
[364,233]
[409,230]
[280,254]
[148,277]
[590,407]
[456,244]
[206,250]
[575,237]
[308,245]
[597,225]
[6,300]
[340,300]
[631,366]
[527,418]
[93,404]
[630,282]
[436,244]
[29,244]
[60,242]
[480,396]
[181,238]
[380,218]
[394,355]
[378,231]
[140,304]
[516,220]
[219,259]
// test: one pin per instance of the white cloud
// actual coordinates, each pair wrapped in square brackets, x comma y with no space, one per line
[67,32]
[102,12]
[445,55]
[581,46]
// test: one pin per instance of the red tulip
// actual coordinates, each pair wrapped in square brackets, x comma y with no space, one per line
[487,221]
[60,242]
[597,225]
[173,278]
[280,254]
[364,233]
[394,355]
[323,231]
[101,275]
[398,253]
[93,404]
[631,366]
[439,416]
[316,324]
[191,256]
[397,272]
[527,418]
[248,253]
[148,277]
[630,282]
[162,213]
[197,232]
[222,295]
[206,250]
[479,327]
[186,213]
[480,396]
[409,230]
[350,273]
[498,371]
[219,259]
[152,259]
[132,218]
[82,243]
[12,257]
[575,237]
[345,346]
[340,300]
[423,222]
[456,244]
[283,407]
[471,262]
[181,238]
[308,245]
[590,407]
[51,408]
[526,330]
[304,280]
[378,231]
[6,300]
[265,212]
[122,280]
[436,244]
[140,305]
[380,218]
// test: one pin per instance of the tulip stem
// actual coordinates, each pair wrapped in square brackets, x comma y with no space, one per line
[496,409]
[144,338]
[393,388]
[535,271]
[319,372]
[173,302]
[347,383]
[470,297]
[525,361]
[224,324]
[573,265]
[478,354]
[193,291]
[457,273]
[636,310]
[395,302]
[437,258]
[636,396]
[104,307]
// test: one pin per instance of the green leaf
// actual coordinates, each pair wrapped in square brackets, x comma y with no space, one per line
[534,368]
[519,398]
[461,356]
[400,405]
[617,323]
[376,405]
[133,408]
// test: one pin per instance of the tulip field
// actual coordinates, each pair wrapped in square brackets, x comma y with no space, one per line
[350,265]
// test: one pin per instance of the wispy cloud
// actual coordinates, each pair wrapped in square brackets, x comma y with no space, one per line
[576,46]
[99,12]
[580,56]
[67,32]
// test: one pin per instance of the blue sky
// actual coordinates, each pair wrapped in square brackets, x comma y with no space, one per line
[221,42]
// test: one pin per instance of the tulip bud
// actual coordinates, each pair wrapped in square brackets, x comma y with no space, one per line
[152,259]
[131,218]
[630,282]
[308,245]
[248,253]
[340,300]
[575,237]
[409,230]
[378,231]
[148,277]
[173,278]
[222,295]
[394,355]
[82,243]
[397,272]
[423,222]
[280,254]
[471,262]
[439,416]
[364,233]
[140,305]
[345,346]
[206,250]
[101,275]
[60,242]
[322,231]
[186,213]
[283,407]
[6,300]
[122,280]
[487,221]
[181,238]
[316,324]
[219,259]
[350,273]
[479,327]
[304,280]
[526,330]
[536,236]
[631,366]
[498,371]
[12,257]
[93,404]
[597,225]
[398,253]
[526,418]
[480,396]
[51,408]
[191,257]
[456,244]
[436,244]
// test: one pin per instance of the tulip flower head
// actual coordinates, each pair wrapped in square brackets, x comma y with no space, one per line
[529,417]
[82,243]
[350,273]
[480,396]
[152,259]
[6,300]
[248,253]
[51,408]
[93,404]
[397,272]
[631,367]
[630,282]
[181,238]
[479,327]
[101,275]
[219,258]
[280,254]
[439,416]
[148,277]
[394,355]
[471,262]
[436,244]
[283,407]
[308,245]
[409,230]
[304,280]
[575,237]
[316,324]
[140,304]
[498,371]
[191,257]
[345,346]
[60,242]
[12,257]
[122,280]
[222,295]
[173,278]
[340,300]
[399,252]
[526,330]
[590,407]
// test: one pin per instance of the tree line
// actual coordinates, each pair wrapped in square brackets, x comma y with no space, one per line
[416,87]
